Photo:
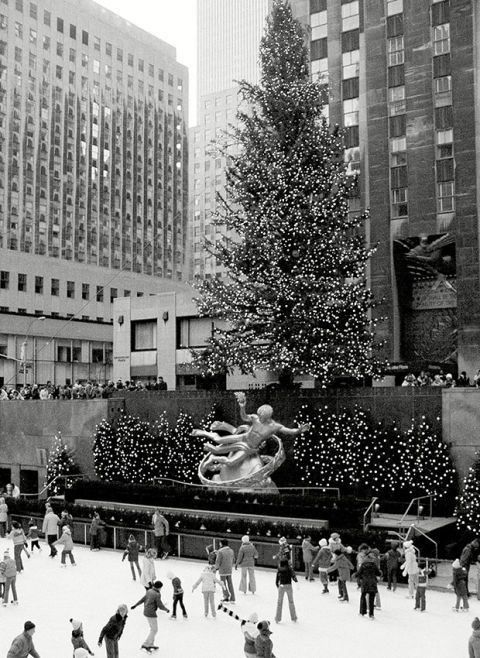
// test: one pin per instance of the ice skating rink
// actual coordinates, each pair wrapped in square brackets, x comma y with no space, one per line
[49,596]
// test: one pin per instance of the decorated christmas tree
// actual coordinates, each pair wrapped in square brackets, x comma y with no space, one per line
[295,298]
[468,507]
[60,464]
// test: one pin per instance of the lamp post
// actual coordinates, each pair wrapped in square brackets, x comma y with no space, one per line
[23,351]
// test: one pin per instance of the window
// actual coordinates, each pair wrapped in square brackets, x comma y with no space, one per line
[73,32]
[97,354]
[398,151]
[441,65]
[441,39]
[85,291]
[119,55]
[350,16]
[444,144]
[18,30]
[47,18]
[59,48]
[350,64]
[39,285]
[352,160]
[99,295]
[394,7]
[126,293]
[130,59]
[399,202]
[350,112]
[60,25]
[96,43]
[64,353]
[396,100]
[46,43]
[85,38]
[33,11]
[108,49]
[55,288]
[19,5]
[33,36]
[442,88]
[318,23]
[22,283]
[70,289]
[96,66]
[4,280]
[113,294]
[396,53]
[446,197]
[144,335]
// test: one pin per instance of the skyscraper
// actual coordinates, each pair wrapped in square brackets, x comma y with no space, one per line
[402,78]
[93,160]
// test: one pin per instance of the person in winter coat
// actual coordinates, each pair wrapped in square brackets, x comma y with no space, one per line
[161,530]
[246,557]
[65,519]
[283,581]
[3,517]
[284,551]
[474,640]
[420,596]
[67,542]
[324,560]
[147,575]
[77,638]
[33,536]
[343,567]
[308,550]
[211,554]
[177,595]
[208,580]
[469,556]
[459,584]
[392,559]
[367,576]
[152,601]
[248,628]
[94,531]
[22,645]
[50,529]
[410,568]
[224,566]
[263,643]
[19,540]
[112,631]
[9,571]
[132,550]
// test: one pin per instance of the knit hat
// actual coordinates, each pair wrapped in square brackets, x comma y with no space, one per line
[323,542]
[282,540]
[476,624]
[80,652]
[349,550]
[407,544]
[253,618]
[264,627]
[158,584]
[245,539]
[6,552]
[67,530]
[28,625]
[76,624]
[335,536]
[456,564]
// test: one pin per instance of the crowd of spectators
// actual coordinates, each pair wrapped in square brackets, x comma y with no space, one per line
[441,379]
[88,390]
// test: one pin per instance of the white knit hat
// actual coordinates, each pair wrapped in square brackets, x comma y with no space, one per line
[245,539]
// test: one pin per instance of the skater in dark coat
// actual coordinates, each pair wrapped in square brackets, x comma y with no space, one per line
[112,631]
[132,550]
[152,602]
[367,576]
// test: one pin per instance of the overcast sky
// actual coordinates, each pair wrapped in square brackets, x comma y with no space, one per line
[173,21]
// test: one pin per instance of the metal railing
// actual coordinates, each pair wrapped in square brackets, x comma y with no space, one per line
[367,512]
[419,511]
[49,484]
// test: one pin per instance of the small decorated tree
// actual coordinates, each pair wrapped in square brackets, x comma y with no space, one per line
[468,506]
[60,464]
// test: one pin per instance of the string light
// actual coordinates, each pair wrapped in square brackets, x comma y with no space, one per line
[60,462]
[468,502]
[295,299]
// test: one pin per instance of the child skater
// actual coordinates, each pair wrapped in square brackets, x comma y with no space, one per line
[19,540]
[132,550]
[67,542]
[78,640]
[33,535]
[177,595]
[263,643]
[459,584]
[248,628]
[147,575]
[208,580]
[420,601]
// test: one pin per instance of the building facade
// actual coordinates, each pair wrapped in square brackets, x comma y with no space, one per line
[93,160]
[403,80]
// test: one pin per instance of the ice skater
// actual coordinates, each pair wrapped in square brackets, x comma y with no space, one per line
[367,577]
[392,558]
[209,580]
[131,551]
[3,517]
[263,643]
[22,645]
[308,550]
[410,568]
[283,581]
[177,595]
[112,631]
[147,575]
[247,554]
[459,584]
[19,540]
[474,639]
[284,551]
[94,531]
[343,567]
[420,598]
[224,566]
[67,542]
[152,601]
[248,628]
[33,536]
[9,570]
[50,528]
[323,559]
[161,530]
[78,641]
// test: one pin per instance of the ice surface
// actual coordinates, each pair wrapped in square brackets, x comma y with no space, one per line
[50,596]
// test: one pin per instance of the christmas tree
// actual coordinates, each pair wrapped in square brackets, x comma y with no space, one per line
[295,298]
[468,507]
[60,464]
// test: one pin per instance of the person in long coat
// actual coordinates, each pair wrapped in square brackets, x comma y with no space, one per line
[367,576]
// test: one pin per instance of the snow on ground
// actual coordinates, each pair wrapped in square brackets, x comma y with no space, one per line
[50,596]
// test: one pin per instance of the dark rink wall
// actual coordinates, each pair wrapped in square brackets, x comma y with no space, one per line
[27,428]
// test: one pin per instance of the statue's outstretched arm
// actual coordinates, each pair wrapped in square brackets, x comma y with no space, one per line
[295,431]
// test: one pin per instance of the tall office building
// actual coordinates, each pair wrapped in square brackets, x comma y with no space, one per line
[403,79]
[93,166]
[229,34]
